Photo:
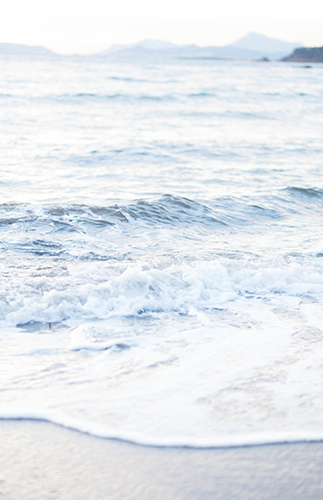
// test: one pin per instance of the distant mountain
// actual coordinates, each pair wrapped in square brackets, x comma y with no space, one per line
[250,47]
[23,50]
[264,44]
[144,44]
[314,55]
[156,45]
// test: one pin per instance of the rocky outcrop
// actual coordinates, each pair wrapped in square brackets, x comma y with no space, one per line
[314,54]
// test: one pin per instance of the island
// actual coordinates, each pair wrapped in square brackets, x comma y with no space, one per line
[15,49]
[305,54]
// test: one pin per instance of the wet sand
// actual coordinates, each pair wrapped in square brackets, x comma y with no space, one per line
[40,461]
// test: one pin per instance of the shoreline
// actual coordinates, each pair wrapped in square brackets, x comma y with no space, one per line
[41,461]
[87,428]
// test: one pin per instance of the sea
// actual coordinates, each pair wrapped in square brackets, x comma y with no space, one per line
[161,249]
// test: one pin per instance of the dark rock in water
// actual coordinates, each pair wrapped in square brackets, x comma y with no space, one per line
[314,54]
[263,59]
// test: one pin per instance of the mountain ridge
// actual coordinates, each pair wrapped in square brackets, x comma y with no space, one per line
[253,46]
[19,49]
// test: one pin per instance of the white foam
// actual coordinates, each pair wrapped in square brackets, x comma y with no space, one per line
[222,441]
[98,292]
[178,382]
[83,337]
[314,314]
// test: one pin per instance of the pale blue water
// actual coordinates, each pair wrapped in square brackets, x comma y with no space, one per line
[161,248]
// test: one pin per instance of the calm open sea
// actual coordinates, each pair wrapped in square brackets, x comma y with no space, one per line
[161,265]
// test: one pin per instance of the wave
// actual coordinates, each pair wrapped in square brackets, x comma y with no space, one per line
[126,79]
[223,441]
[220,214]
[168,209]
[120,260]
[78,97]
[56,292]
[110,97]
[43,224]
[202,95]
[305,192]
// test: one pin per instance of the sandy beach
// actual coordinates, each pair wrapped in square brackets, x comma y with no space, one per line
[40,461]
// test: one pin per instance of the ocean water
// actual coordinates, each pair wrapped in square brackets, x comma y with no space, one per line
[161,265]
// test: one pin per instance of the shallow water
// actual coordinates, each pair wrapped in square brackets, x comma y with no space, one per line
[161,249]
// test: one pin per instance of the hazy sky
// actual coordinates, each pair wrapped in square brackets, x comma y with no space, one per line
[70,26]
